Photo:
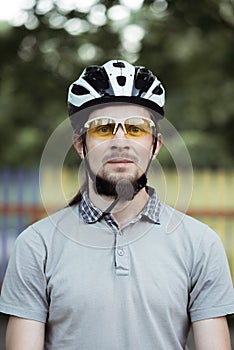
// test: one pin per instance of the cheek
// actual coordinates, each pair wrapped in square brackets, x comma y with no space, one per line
[145,147]
[96,151]
[95,147]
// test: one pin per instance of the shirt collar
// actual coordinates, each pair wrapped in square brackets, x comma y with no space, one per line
[90,214]
[88,211]
[153,206]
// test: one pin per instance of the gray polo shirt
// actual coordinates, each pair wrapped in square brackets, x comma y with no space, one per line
[98,287]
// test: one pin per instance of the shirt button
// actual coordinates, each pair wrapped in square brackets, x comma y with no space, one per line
[120,252]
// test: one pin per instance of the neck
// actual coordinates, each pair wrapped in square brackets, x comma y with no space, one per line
[124,210]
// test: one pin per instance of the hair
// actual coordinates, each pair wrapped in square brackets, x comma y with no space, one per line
[77,198]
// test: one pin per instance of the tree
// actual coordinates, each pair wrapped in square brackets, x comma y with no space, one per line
[189,45]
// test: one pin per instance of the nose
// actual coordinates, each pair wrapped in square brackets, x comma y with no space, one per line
[120,131]
[119,140]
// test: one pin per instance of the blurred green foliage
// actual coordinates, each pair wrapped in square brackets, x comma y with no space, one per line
[188,44]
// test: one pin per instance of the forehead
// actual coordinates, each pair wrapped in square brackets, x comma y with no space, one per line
[120,111]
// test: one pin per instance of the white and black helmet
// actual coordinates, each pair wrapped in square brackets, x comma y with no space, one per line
[116,81]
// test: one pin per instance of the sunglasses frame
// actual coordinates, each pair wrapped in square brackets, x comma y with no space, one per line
[119,121]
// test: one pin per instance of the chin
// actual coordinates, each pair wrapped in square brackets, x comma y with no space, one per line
[114,178]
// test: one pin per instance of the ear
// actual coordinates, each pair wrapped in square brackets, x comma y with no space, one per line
[78,144]
[159,145]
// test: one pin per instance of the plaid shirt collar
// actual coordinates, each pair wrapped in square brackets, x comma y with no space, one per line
[90,214]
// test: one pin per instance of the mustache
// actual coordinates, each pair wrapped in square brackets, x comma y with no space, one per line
[117,155]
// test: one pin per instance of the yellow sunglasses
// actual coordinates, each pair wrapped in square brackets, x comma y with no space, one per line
[104,128]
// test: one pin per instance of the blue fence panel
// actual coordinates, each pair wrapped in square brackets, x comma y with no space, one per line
[18,189]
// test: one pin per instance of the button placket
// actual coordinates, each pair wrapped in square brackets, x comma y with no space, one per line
[121,256]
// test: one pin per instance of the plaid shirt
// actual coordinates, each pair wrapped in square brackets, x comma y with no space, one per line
[90,214]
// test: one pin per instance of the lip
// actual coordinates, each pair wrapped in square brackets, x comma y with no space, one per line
[120,162]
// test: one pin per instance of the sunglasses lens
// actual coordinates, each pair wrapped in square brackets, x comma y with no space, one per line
[105,128]
[101,128]
[138,127]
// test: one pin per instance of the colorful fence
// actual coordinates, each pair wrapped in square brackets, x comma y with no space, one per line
[20,202]
[19,199]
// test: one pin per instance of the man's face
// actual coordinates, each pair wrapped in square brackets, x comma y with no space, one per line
[120,157]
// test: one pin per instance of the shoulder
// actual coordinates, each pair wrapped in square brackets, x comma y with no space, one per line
[53,220]
[185,226]
[44,229]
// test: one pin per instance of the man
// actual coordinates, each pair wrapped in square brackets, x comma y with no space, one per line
[104,273]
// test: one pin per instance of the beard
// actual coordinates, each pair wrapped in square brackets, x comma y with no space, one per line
[120,185]
[124,188]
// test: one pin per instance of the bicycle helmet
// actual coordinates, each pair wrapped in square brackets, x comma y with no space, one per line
[116,81]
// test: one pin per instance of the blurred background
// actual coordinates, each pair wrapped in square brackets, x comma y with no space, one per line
[45,45]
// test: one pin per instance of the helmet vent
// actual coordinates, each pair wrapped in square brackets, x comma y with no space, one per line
[158,90]
[119,64]
[79,90]
[143,78]
[97,77]
[121,80]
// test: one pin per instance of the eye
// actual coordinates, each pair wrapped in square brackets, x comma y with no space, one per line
[135,130]
[101,128]
[104,129]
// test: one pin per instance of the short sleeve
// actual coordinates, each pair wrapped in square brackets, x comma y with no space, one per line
[24,287]
[211,293]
